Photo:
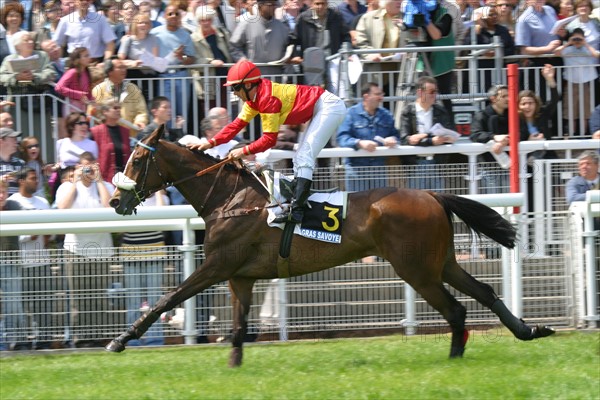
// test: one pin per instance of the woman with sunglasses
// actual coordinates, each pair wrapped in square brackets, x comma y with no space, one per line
[77,141]
[280,104]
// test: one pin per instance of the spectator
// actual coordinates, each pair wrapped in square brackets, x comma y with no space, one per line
[221,115]
[87,254]
[212,47]
[145,8]
[6,120]
[366,126]
[144,258]
[534,37]
[55,55]
[350,9]
[535,117]
[112,11]
[133,47]
[189,20]
[588,178]
[13,325]
[157,12]
[52,16]
[288,13]
[209,127]
[160,109]
[261,40]
[321,27]
[128,12]
[10,163]
[280,104]
[505,16]
[380,29]
[227,15]
[113,141]
[11,17]
[30,152]
[75,84]
[69,149]
[4,51]
[579,58]
[415,129]
[127,94]
[30,81]
[490,126]
[589,25]
[372,5]
[487,28]
[34,255]
[176,45]
[565,9]
[595,123]
[84,28]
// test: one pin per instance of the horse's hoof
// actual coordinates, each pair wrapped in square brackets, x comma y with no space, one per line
[235,359]
[115,346]
[540,331]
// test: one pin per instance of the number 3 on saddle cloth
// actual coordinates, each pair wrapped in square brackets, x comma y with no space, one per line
[322,219]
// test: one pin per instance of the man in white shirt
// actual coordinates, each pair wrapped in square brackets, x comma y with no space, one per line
[88,254]
[37,276]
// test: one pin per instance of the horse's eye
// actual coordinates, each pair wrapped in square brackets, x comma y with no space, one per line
[136,161]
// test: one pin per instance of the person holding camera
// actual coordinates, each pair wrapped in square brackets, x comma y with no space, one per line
[88,254]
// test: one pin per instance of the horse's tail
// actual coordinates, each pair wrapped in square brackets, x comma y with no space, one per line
[479,217]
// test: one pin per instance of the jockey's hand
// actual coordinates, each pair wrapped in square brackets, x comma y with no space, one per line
[236,154]
[199,146]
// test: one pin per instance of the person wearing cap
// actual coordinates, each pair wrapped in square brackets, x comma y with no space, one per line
[280,104]
[10,164]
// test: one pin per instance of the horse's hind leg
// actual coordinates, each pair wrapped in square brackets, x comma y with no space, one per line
[241,299]
[459,279]
[439,298]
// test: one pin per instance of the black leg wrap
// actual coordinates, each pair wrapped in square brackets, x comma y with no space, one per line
[135,331]
[301,194]
[517,326]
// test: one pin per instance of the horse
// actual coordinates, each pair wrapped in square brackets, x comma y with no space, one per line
[411,229]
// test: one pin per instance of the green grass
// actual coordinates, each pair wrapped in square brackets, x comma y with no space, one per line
[564,366]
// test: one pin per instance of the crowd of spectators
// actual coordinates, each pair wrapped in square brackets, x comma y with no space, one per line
[86,51]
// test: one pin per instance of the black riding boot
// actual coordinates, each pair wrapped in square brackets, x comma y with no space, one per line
[301,194]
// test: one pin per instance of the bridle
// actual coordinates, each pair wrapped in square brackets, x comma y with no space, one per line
[143,193]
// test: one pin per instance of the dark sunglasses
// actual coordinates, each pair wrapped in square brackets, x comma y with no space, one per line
[237,87]
[577,39]
[33,146]
[82,123]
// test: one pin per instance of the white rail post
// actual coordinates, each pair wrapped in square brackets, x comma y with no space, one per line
[188,248]
[283,311]
[589,234]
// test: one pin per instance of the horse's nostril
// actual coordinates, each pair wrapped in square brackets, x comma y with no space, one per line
[114,202]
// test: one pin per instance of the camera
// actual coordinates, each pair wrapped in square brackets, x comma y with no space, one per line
[87,170]
[417,13]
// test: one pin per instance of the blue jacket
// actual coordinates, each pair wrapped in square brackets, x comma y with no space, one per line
[360,125]
[576,188]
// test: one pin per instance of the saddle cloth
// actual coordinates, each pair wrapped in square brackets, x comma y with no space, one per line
[322,219]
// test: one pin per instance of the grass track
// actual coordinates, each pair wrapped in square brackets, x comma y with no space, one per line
[564,366]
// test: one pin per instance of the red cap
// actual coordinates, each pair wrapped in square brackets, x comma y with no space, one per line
[242,72]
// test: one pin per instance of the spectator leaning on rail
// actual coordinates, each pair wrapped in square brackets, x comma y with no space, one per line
[490,125]
[366,126]
[280,104]
[416,122]
[595,123]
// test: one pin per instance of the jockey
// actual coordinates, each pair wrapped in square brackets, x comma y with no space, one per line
[280,104]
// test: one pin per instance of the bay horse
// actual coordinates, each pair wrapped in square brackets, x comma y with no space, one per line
[412,229]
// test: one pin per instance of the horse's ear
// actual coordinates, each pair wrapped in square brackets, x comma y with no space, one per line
[156,135]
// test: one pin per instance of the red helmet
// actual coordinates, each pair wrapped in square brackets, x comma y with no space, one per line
[243,71]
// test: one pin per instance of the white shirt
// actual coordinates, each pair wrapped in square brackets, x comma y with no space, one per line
[86,244]
[424,119]
[32,249]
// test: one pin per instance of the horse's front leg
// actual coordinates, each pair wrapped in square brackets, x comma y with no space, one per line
[241,299]
[200,280]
